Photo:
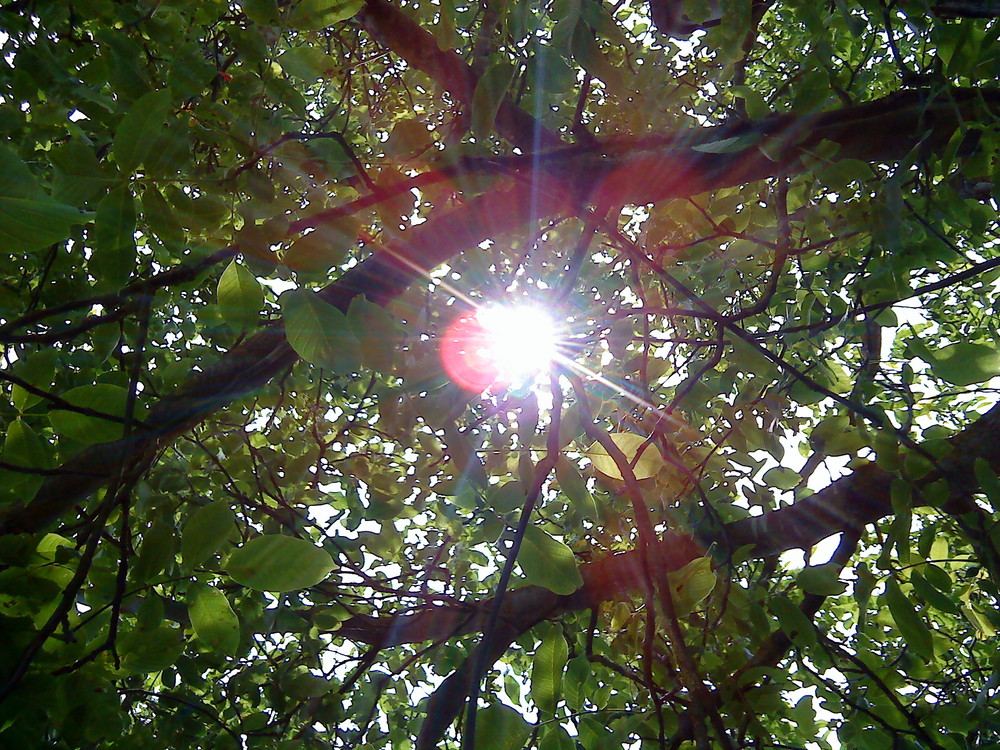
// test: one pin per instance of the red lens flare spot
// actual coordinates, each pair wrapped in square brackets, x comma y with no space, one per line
[467,356]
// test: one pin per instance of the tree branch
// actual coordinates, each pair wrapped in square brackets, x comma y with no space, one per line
[614,172]
[847,505]
[396,31]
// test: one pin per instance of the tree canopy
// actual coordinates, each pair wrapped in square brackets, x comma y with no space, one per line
[263,486]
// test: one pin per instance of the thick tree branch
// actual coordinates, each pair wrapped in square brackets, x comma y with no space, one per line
[967,8]
[846,505]
[396,31]
[615,172]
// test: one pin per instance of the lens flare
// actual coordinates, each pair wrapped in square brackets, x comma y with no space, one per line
[508,346]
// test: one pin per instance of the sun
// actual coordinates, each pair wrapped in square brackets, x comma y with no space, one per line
[505,345]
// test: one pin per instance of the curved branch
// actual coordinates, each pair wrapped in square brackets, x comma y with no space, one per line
[396,31]
[847,505]
[614,172]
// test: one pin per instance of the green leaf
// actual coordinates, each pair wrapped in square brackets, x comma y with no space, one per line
[836,436]
[279,563]
[988,481]
[159,217]
[323,249]
[938,577]
[549,563]
[213,619]
[240,296]
[500,727]
[113,238]
[912,627]
[504,498]
[308,63]
[320,333]
[555,738]
[966,363]
[206,531]
[486,99]
[729,145]
[77,176]
[310,15]
[377,332]
[23,447]
[547,667]
[823,580]
[692,584]
[408,138]
[156,553]
[134,138]
[263,12]
[932,595]
[16,180]
[782,478]
[305,686]
[574,487]
[39,370]
[589,56]
[793,622]
[171,150]
[153,650]
[984,628]
[649,463]
[29,219]
[103,397]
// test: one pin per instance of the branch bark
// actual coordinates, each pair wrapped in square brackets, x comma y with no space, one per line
[847,505]
[396,31]
[610,173]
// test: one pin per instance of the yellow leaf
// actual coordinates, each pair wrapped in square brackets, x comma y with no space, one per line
[691,584]
[649,459]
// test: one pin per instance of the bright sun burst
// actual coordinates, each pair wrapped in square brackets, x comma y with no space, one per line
[509,345]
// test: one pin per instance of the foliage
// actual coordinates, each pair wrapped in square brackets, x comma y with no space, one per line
[242,504]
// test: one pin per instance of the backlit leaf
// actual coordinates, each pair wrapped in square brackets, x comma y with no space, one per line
[134,138]
[490,91]
[823,580]
[588,53]
[930,594]
[323,249]
[318,14]
[649,460]
[692,584]
[206,531]
[113,238]
[78,177]
[156,553]
[549,563]
[836,436]
[575,488]
[504,498]
[782,478]
[912,627]
[547,667]
[319,332]
[102,397]
[23,447]
[728,145]
[276,562]
[145,651]
[213,619]
[378,333]
[240,296]
[500,727]
[29,219]
[966,363]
